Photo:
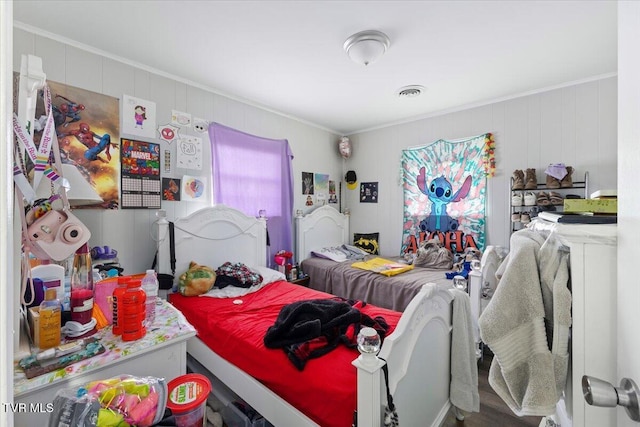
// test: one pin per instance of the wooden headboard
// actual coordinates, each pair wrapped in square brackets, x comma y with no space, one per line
[321,228]
[213,236]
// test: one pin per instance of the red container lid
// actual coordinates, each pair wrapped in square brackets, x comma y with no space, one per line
[187,392]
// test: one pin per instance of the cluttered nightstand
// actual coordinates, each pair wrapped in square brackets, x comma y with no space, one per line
[302,281]
[162,352]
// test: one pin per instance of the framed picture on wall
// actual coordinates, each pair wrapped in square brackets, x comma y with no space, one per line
[369,192]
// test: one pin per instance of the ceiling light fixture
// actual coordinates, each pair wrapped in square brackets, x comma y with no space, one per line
[366,47]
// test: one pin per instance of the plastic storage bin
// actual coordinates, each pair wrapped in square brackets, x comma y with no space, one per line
[223,397]
[188,399]
[234,417]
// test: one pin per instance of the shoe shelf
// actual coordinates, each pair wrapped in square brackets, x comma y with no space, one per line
[527,202]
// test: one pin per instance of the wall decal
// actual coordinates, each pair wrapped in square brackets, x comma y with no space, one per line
[180,118]
[200,125]
[168,132]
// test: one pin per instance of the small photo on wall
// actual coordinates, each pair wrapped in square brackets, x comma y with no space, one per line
[171,189]
[333,197]
[369,192]
[321,188]
[307,183]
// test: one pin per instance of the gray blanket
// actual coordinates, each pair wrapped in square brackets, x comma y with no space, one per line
[395,292]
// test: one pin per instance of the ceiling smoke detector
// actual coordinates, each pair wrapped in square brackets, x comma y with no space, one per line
[410,91]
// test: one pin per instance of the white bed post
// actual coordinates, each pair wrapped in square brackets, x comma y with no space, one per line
[369,391]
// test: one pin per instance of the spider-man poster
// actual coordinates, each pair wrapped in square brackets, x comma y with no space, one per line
[444,192]
[88,129]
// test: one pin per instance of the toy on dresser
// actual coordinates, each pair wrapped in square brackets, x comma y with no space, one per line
[463,265]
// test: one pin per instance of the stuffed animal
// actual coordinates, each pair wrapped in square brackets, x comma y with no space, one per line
[197,280]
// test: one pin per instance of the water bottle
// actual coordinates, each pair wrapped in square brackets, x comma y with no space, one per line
[133,312]
[96,276]
[116,298]
[150,287]
[50,320]
[82,286]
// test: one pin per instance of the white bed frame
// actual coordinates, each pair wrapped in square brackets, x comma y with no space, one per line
[324,227]
[417,352]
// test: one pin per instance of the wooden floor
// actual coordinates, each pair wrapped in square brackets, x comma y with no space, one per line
[493,411]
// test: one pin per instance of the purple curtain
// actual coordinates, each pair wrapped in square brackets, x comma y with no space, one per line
[251,173]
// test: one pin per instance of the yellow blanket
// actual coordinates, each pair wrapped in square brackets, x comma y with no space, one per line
[383,266]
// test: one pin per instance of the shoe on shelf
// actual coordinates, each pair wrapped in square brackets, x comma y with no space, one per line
[518,180]
[525,218]
[516,199]
[543,199]
[567,181]
[529,198]
[556,199]
[515,217]
[552,182]
[530,181]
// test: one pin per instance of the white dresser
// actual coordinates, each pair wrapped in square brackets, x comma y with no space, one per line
[161,353]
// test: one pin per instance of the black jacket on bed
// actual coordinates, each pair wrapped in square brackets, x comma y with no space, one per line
[311,328]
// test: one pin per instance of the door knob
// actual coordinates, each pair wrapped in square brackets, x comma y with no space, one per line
[598,392]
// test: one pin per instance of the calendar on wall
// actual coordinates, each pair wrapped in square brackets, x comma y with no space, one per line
[140,175]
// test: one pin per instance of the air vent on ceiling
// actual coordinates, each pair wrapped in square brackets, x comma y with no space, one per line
[410,91]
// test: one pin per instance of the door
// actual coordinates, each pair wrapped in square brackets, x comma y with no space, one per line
[628,337]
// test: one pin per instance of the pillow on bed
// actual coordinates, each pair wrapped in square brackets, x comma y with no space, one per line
[368,242]
[268,276]
[333,253]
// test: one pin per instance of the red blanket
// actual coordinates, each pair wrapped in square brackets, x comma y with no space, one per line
[325,390]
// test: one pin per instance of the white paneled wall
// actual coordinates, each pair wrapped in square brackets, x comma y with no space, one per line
[575,125]
[130,230]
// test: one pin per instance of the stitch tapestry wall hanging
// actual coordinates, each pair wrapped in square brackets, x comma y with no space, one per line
[444,186]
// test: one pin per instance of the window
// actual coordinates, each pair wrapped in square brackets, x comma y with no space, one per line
[252,173]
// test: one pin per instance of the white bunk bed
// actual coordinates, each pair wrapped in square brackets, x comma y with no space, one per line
[418,352]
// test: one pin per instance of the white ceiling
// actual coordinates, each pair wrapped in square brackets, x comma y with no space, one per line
[288,56]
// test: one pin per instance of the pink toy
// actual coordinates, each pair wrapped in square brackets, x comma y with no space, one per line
[144,412]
